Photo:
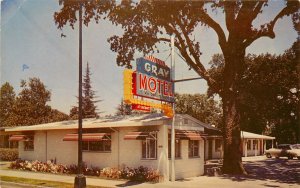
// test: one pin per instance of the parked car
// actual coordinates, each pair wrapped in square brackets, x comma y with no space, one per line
[284,150]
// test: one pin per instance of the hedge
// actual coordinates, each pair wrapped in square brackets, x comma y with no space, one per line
[8,154]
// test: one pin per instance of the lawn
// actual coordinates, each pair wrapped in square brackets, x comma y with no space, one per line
[41,182]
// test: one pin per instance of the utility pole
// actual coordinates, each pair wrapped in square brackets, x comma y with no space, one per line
[173,120]
[80,181]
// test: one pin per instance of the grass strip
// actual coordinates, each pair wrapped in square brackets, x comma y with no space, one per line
[41,182]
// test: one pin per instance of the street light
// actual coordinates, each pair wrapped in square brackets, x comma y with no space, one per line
[80,181]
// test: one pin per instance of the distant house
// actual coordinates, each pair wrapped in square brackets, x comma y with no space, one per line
[251,144]
[254,144]
[114,142]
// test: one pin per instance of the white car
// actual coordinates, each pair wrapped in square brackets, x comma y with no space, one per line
[284,150]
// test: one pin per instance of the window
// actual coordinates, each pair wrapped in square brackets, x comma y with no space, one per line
[185,121]
[248,144]
[102,146]
[218,145]
[29,143]
[193,148]
[149,147]
[177,148]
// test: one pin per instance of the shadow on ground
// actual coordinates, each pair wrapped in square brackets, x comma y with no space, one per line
[276,170]
[129,183]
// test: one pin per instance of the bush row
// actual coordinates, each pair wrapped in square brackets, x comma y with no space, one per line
[8,154]
[134,174]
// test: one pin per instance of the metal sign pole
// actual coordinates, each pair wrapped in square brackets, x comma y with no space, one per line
[80,181]
[173,120]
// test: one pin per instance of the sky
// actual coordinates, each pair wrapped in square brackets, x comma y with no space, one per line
[30,37]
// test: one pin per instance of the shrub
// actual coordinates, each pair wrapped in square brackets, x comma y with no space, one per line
[49,166]
[108,172]
[140,174]
[8,154]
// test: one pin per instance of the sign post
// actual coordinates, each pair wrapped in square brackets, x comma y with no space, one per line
[80,181]
[173,108]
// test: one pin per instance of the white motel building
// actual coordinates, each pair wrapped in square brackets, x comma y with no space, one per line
[132,141]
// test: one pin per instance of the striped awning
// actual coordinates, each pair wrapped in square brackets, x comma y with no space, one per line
[17,138]
[87,137]
[188,135]
[138,135]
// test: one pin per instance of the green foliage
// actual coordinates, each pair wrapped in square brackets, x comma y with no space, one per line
[269,96]
[56,115]
[124,109]
[30,106]
[8,154]
[7,100]
[200,107]
[89,109]
[134,174]
[140,174]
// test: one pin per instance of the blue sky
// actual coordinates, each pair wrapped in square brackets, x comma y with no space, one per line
[29,36]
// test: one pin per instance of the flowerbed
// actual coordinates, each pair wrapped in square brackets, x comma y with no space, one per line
[134,174]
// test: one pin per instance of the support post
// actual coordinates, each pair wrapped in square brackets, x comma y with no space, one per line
[80,181]
[173,121]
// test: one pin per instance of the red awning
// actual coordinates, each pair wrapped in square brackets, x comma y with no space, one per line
[87,137]
[137,135]
[188,135]
[17,138]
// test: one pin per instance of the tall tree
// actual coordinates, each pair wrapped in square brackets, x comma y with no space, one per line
[200,107]
[147,23]
[89,109]
[7,100]
[269,93]
[30,106]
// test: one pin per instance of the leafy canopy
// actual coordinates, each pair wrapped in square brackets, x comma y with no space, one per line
[29,107]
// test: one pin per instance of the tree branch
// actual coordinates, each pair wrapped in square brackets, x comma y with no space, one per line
[267,30]
[216,27]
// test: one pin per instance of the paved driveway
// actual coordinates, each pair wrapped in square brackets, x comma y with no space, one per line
[264,173]
[277,170]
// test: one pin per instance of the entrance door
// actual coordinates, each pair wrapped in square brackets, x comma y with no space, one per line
[210,149]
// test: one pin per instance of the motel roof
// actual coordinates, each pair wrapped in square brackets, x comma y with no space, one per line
[118,121]
[248,135]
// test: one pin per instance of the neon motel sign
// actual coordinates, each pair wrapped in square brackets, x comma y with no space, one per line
[150,80]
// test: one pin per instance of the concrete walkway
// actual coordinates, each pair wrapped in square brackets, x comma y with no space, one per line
[61,178]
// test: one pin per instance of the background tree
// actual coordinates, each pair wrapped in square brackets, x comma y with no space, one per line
[124,109]
[147,23]
[30,106]
[269,93]
[89,109]
[200,107]
[7,100]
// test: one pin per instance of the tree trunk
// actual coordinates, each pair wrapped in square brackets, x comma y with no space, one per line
[234,63]
[232,163]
